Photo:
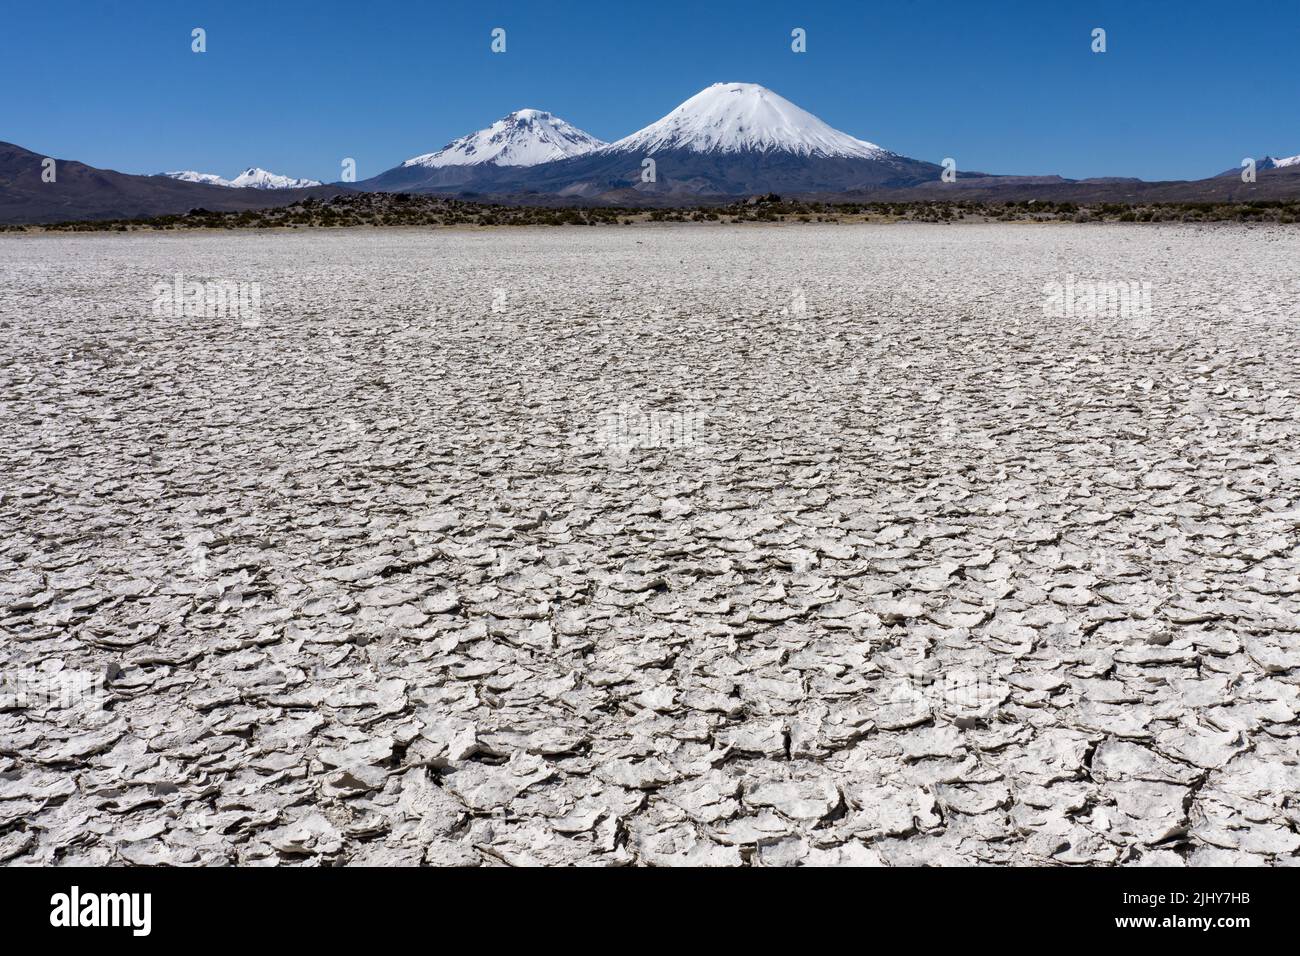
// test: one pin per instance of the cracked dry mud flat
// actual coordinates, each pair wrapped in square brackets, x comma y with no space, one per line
[930,578]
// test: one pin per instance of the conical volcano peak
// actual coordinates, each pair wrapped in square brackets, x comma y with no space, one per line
[745,117]
[525,137]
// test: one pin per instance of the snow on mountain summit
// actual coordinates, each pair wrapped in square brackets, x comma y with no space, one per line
[522,138]
[743,117]
[251,178]
[1269,162]
[190,176]
[256,178]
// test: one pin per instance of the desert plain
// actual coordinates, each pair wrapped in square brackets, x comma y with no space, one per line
[661,545]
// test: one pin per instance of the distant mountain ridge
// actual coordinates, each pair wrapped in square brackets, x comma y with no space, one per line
[728,140]
[81,192]
[254,177]
[1265,164]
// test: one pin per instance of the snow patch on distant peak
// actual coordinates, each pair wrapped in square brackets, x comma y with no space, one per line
[1288,161]
[251,178]
[745,117]
[257,178]
[522,138]
[190,176]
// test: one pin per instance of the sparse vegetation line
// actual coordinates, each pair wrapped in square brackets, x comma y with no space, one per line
[400,209]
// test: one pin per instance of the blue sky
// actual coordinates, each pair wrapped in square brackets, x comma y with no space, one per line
[1185,89]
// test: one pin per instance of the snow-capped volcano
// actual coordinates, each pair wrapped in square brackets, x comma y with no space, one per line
[745,117]
[522,138]
[252,178]
[728,139]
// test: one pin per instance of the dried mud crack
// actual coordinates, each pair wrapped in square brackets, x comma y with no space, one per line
[665,545]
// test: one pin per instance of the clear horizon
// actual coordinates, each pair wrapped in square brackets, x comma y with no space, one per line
[1183,91]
